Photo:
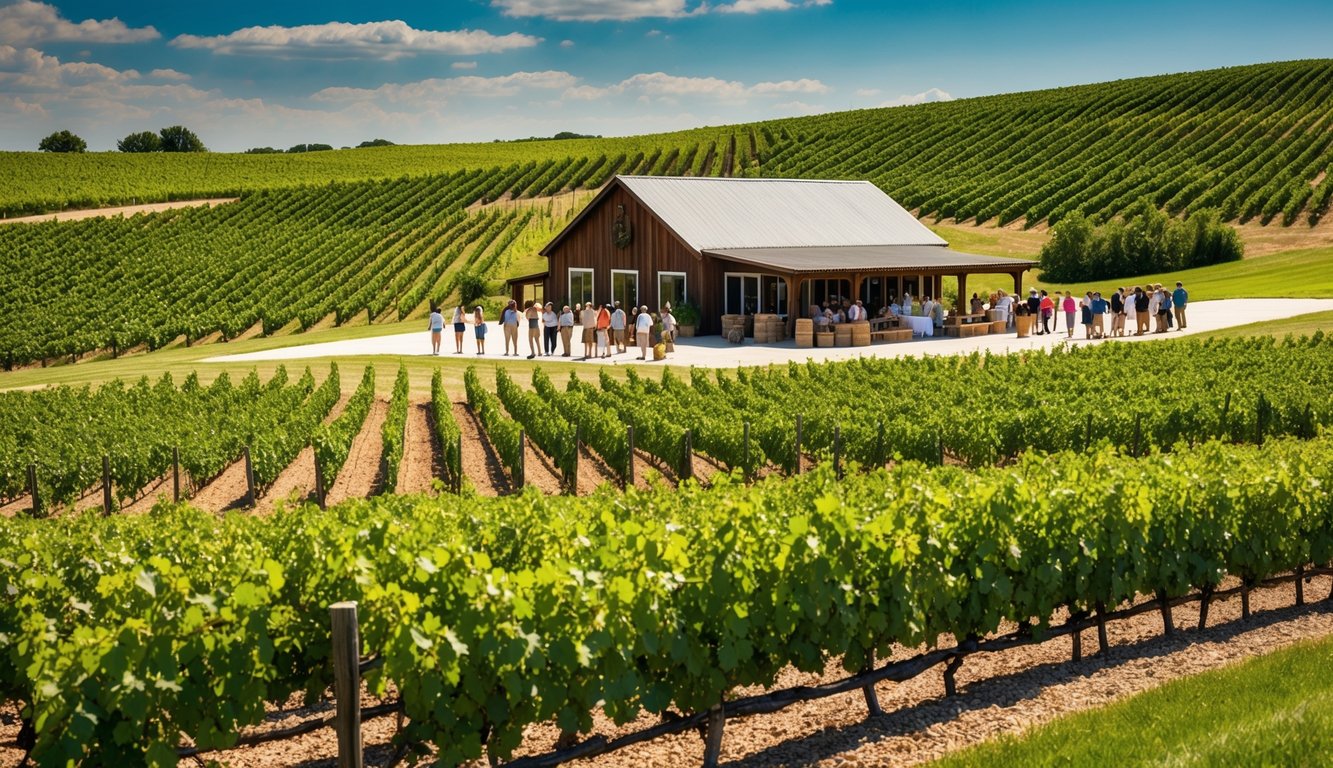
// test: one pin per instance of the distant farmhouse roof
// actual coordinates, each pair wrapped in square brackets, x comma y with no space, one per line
[795,225]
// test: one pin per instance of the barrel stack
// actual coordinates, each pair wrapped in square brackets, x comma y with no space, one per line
[805,333]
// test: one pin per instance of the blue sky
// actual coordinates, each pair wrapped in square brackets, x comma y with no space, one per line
[243,73]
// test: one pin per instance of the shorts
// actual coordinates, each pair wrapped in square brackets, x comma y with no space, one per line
[460,327]
[481,331]
[589,335]
[619,335]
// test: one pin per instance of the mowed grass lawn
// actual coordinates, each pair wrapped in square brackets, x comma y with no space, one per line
[1275,710]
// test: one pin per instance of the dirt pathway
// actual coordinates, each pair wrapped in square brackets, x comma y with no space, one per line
[124,210]
[421,452]
[360,475]
[296,482]
[540,471]
[1000,693]
[481,465]
[227,491]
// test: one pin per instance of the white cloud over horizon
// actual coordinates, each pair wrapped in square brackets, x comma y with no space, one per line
[928,96]
[437,90]
[648,86]
[385,40]
[28,21]
[630,10]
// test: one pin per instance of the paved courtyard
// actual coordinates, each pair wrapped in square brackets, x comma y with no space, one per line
[715,352]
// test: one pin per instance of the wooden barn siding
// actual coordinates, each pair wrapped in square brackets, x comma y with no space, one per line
[653,249]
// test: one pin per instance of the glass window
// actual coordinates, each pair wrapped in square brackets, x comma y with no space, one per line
[580,286]
[671,288]
[625,288]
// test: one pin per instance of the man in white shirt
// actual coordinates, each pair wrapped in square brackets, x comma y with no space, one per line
[856,312]
[928,307]
[618,328]
[643,326]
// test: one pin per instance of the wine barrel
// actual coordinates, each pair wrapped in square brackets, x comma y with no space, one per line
[842,335]
[805,339]
[860,334]
[824,339]
[998,326]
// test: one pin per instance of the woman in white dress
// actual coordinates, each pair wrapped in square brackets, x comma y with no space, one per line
[1131,314]
[1154,302]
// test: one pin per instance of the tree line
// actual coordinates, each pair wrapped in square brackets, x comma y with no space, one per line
[1145,241]
[175,138]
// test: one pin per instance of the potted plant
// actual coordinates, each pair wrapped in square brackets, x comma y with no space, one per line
[687,319]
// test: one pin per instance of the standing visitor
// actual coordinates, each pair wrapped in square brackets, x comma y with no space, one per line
[1164,324]
[1179,298]
[589,322]
[550,327]
[436,329]
[534,317]
[668,328]
[1069,306]
[907,302]
[509,321]
[1005,303]
[479,328]
[618,328]
[928,307]
[1034,305]
[1087,315]
[937,314]
[566,329]
[976,304]
[460,326]
[1155,305]
[1141,306]
[643,326]
[604,331]
[1118,312]
[1098,315]
[1131,310]
[1047,305]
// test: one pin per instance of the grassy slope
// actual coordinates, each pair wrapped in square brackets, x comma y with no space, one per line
[1274,710]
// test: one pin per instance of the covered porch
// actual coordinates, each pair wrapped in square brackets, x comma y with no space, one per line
[876,275]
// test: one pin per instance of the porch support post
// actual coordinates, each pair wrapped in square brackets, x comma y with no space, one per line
[1018,283]
[794,308]
[962,294]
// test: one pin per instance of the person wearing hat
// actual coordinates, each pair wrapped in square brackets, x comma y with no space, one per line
[589,322]
[1034,306]
[604,330]
[643,326]
[668,328]
[566,328]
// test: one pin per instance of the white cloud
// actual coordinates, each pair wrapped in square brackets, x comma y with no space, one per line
[27,21]
[927,96]
[866,93]
[804,85]
[463,65]
[594,10]
[626,10]
[566,43]
[28,69]
[659,85]
[800,108]
[169,74]
[437,90]
[386,40]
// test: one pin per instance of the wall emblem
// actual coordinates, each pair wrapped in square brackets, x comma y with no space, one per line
[621,231]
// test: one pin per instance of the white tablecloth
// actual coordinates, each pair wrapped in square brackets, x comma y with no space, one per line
[921,326]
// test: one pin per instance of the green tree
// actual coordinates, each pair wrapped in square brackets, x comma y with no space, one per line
[63,141]
[143,141]
[375,143]
[178,138]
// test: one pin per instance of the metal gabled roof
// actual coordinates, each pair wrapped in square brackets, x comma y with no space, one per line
[714,214]
[868,258]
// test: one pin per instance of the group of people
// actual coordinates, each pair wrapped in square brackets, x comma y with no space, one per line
[1133,311]
[838,311]
[603,327]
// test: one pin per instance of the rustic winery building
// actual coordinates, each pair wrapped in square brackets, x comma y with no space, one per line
[747,246]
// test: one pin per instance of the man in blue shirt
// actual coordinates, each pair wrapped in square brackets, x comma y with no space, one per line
[1098,312]
[1179,297]
[509,321]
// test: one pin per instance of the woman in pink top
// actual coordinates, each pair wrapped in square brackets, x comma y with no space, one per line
[1069,306]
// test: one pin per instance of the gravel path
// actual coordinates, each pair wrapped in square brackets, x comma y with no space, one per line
[360,474]
[421,452]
